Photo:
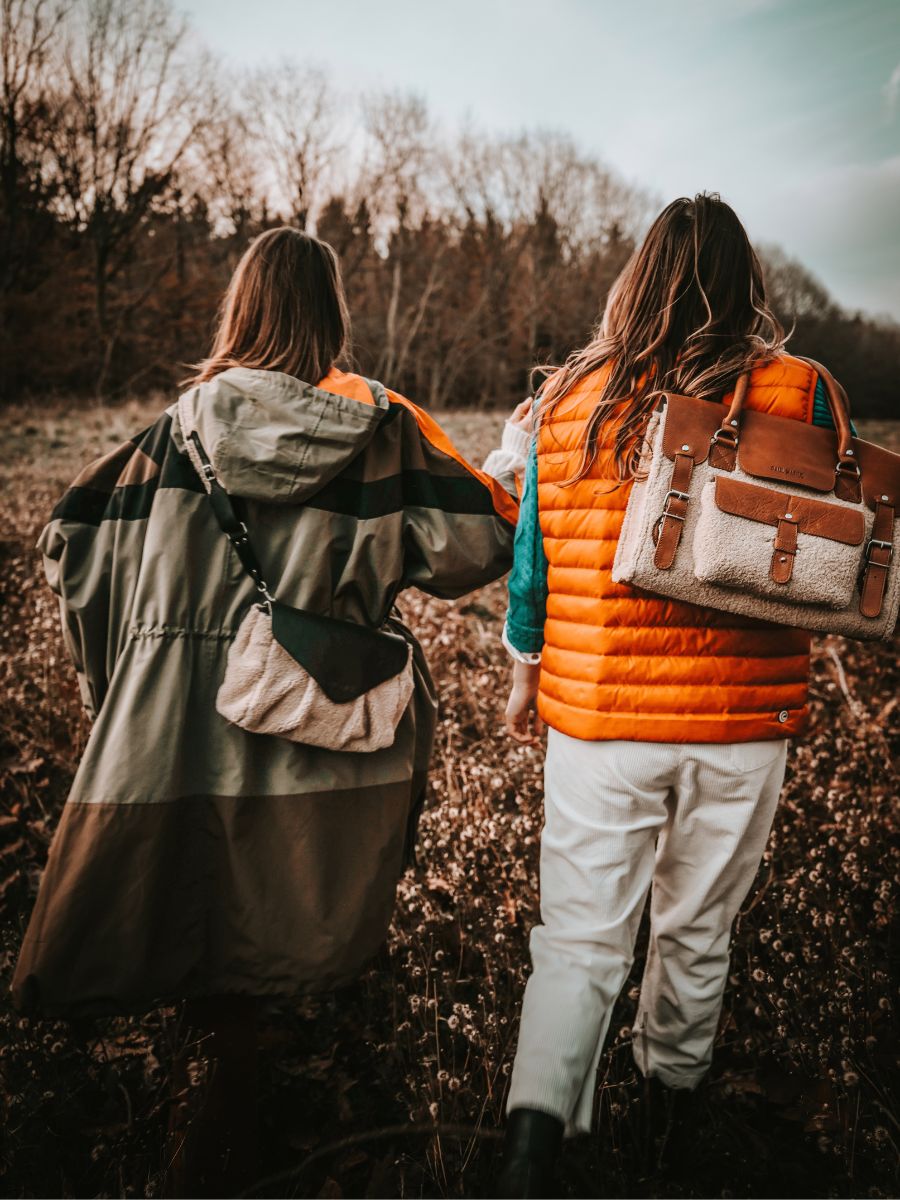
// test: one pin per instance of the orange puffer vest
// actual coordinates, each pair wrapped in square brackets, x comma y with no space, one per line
[620,663]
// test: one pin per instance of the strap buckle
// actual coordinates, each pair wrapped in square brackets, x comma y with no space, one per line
[728,437]
[673,492]
[239,539]
[848,466]
[889,546]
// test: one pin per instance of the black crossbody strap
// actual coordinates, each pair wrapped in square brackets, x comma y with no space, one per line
[346,659]
[230,523]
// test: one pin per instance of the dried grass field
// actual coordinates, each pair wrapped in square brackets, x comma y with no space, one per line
[395,1087]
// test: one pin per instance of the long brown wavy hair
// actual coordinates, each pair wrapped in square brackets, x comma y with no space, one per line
[688,314]
[284,310]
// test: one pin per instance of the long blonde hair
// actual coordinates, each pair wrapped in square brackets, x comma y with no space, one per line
[687,314]
[284,310]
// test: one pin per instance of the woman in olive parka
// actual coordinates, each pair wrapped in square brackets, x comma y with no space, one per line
[194,860]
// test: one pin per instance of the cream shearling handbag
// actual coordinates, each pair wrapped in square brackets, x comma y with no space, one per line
[765,516]
[300,675]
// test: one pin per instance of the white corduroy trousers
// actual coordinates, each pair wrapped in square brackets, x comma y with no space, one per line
[690,819]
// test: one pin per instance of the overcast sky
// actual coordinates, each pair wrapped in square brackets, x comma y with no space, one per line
[789,108]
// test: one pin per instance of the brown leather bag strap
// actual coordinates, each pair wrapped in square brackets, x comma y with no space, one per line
[839,405]
[725,439]
[723,443]
[837,402]
[671,523]
[732,423]
[879,552]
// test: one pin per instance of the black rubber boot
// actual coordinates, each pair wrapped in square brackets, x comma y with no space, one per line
[530,1150]
[672,1122]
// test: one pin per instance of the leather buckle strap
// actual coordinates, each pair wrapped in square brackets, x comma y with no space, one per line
[889,546]
[671,522]
[784,550]
[848,480]
[678,496]
[724,442]
[878,557]
[723,449]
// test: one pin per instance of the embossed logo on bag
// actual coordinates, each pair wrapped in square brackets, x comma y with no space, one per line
[786,471]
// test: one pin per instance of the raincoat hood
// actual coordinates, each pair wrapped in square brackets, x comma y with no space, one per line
[272,437]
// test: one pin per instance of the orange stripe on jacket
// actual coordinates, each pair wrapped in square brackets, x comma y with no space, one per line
[343,383]
[504,504]
[620,663]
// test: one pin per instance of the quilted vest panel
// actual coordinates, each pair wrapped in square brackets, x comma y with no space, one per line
[622,664]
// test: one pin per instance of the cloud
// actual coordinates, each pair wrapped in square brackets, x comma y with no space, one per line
[891,92]
[844,223]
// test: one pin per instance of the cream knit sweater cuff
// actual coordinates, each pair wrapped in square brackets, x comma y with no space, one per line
[512,454]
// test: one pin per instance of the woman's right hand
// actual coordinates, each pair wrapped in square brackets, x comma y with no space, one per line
[521,717]
[521,415]
[512,454]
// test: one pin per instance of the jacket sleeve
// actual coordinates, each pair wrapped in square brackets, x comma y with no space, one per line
[77,570]
[458,522]
[527,611]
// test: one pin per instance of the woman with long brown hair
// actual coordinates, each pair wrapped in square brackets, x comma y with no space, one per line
[224,856]
[668,723]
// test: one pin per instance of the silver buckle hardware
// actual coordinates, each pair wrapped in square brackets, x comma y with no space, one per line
[209,472]
[889,546]
[665,512]
[848,468]
[242,538]
[730,439]
[678,496]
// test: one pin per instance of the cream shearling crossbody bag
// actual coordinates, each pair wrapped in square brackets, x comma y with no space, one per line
[765,516]
[304,676]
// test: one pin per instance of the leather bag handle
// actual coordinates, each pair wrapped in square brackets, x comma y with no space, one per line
[837,402]
[730,427]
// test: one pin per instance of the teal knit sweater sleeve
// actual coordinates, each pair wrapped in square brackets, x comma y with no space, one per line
[527,609]
[528,579]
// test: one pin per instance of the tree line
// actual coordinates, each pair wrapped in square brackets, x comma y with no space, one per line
[134,169]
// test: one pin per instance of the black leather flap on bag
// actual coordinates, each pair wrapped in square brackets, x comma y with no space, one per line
[345,659]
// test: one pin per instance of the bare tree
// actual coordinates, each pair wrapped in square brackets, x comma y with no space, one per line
[394,176]
[397,161]
[133,102]
[553,219]
[511,179]
[292,112]
[794,291]
[27,31]
[130,178]
[225,168]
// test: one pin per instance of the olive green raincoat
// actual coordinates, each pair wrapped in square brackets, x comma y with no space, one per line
[193,858]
